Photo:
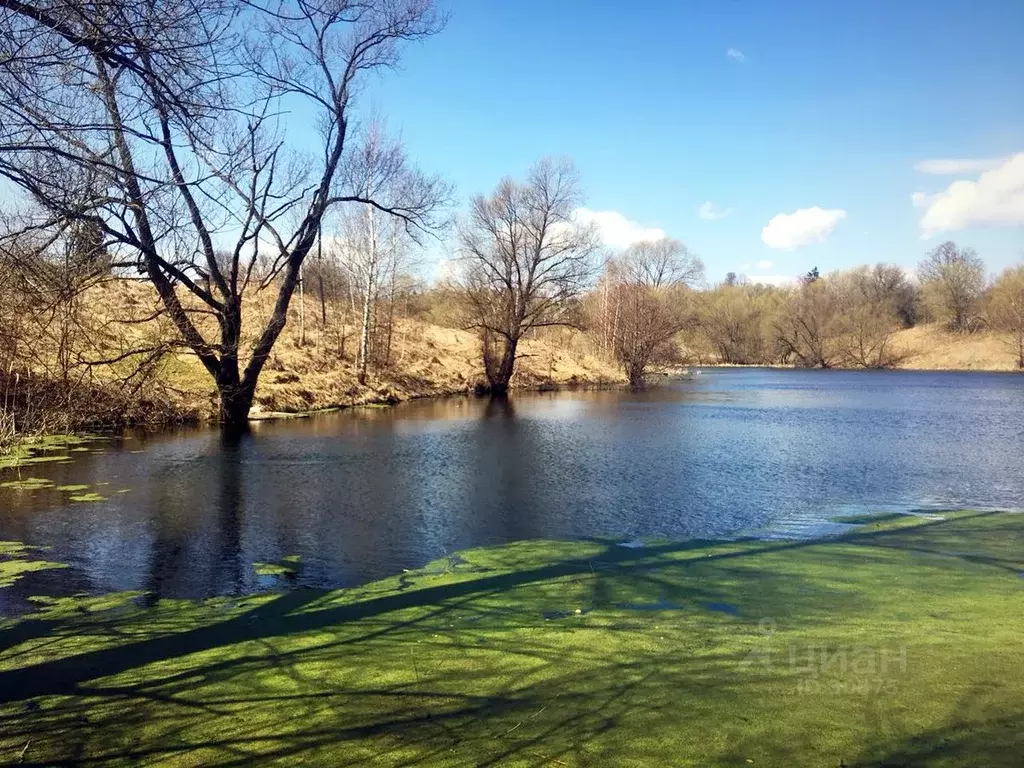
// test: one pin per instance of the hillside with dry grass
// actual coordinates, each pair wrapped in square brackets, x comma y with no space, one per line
[313,364]
[428,360]
[932,348]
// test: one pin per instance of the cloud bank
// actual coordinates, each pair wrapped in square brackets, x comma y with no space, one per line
[996,197]
[951,167]
[616,230]
[806,225]
[736,54]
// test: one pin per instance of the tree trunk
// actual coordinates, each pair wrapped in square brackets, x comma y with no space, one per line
[498,378]
[364,336]
[234,390]
[635,371]
[368,297]
[235,402]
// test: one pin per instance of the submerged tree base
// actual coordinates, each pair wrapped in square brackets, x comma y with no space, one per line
[898,645]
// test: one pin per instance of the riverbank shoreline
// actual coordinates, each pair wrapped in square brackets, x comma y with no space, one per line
[554,652]
[15,452]
[590,386]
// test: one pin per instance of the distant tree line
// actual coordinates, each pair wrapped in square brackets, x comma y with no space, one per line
[526,265]
[849,318]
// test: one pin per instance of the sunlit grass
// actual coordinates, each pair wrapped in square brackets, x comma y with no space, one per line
[896,645]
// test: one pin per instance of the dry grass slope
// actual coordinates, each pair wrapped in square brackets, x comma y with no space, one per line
[320,373]
[930,347]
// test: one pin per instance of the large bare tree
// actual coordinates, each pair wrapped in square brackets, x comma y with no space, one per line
[173,128]
[809,327]
[526,260]
[953,279]
[649,303]
[871,306]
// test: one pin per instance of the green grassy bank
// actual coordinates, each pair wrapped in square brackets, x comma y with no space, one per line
[899,644]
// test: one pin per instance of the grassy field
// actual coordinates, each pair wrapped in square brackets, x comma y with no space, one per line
[897,645]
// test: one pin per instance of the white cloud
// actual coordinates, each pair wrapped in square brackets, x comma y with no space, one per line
[803,226]
[950,167]
[765,264]
[616,230]
[997,197]
[708,211]
[735,53]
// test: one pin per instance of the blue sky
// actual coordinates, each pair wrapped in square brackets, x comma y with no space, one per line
[826,105]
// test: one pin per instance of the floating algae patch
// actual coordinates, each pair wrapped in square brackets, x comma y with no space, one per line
[15,461]
[28,484]
[17,560]
[13,549]
[86,497]
[287,567]
[47,450]
[73,488]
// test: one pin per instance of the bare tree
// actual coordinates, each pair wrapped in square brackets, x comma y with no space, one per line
[871,304]
[809,326]
[888,285]
[1006,309]
[649,301]
[954,279]
[163,123]
[525,262]
[733,321]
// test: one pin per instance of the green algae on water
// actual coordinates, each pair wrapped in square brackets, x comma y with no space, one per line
[18,559]
[86,497]
[288,566]
[895,645]
[28,484]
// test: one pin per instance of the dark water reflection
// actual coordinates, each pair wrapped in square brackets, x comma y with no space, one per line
[361,495]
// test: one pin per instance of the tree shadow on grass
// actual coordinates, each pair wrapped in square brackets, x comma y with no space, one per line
[978,735]
[487,668]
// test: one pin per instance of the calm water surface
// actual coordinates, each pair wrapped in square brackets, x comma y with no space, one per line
[361,495]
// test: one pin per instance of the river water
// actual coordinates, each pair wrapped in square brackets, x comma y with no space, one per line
[362,494]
